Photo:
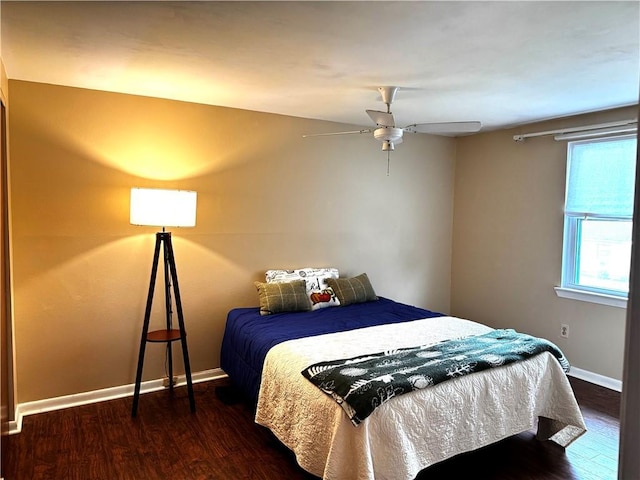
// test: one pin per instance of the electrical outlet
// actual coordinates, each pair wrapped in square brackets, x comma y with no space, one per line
[564,330]
[165,381]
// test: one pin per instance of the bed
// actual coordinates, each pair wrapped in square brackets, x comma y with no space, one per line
[265,355]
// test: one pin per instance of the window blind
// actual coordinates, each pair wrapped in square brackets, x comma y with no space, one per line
[601,177]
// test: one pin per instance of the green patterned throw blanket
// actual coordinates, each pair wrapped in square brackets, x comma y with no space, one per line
[362,383]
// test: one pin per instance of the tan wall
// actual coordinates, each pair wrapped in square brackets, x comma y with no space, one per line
[266,199]
[507,244]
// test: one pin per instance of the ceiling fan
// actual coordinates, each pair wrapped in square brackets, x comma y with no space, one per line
[390,135]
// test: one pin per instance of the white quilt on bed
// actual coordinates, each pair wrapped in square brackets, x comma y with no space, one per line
[418,429]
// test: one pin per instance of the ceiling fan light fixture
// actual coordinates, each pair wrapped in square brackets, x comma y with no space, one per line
[388,146]
[387,134]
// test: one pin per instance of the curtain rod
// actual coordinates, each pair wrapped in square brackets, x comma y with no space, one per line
[631,124]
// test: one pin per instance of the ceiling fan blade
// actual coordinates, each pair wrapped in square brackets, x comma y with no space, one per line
[366,130]
[444,128]
[383,119]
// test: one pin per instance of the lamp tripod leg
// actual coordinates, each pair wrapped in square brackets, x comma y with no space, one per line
[183,332]
[167,302]
[145,326]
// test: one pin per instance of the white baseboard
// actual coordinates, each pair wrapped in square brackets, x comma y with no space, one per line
[66,401]
[77,399]
[587,376]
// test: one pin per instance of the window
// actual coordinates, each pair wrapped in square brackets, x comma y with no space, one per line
[598,217]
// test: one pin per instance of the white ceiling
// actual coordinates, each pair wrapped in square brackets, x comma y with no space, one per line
[503,63]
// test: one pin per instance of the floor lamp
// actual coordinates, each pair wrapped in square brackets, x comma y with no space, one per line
[164,208]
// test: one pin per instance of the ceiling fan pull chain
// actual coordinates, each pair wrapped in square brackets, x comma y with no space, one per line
[388,161]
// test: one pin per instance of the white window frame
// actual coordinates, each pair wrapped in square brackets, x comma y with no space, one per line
[572,223]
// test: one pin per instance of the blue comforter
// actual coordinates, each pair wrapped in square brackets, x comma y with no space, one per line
[249,336]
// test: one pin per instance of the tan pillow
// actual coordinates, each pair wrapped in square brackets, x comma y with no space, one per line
[283,297]
[352,290]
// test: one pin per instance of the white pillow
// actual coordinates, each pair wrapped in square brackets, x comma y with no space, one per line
[320,294]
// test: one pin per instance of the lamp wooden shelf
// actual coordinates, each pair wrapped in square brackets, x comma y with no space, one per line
[164,335]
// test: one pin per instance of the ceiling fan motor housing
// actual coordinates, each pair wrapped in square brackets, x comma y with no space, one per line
[387,134]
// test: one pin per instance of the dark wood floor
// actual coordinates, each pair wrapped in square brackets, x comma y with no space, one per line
[221,441]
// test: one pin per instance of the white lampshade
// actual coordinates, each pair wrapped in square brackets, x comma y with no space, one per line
[163,208]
